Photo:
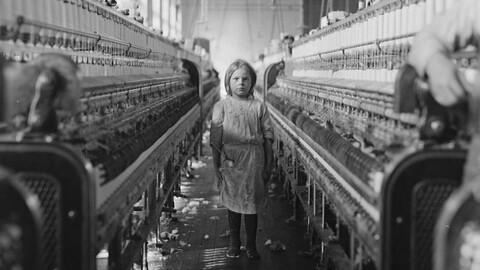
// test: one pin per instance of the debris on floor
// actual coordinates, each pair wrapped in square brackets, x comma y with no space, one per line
[171,251]
[290,220]
[175,250]
[306,254]
[189,209]
[194,202]
[169,236]
[198,164]
[225,234]
[275,246]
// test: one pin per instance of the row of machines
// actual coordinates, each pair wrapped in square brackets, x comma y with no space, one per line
[363,150]
[99,116]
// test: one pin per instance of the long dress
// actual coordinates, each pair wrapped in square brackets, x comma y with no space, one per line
[244,124]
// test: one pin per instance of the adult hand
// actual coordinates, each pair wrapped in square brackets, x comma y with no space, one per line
[448,86]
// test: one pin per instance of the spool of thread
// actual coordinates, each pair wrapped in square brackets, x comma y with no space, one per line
[111,23]
[117,28]
[361,4]
[411,19]
[77,15]
[375,28]
[29,10]
[66,16]
[34,10]
[429,11]
[398,26]
[383,75]
[439,6]
[362,33]
[98,19]
[449,4]
[404,20]
[104,26]
[6,14]
[393,73]
[18,9]
[391,26]
[381,25]
[420,16]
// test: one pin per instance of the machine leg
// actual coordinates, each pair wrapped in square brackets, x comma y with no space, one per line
[115,251]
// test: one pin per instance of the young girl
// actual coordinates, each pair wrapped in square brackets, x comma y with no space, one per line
[241,139]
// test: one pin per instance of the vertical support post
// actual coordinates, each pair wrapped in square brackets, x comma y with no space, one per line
[323,210]
[311,16]
[152,196]
[314,190]
[309,189]
[352,251]
[149,13]
[3,96]
[202,120]
[169,24]
[145,247]
[200,144]
[321,12]
[115,251]
[322,251]
[295,169]
[161,16]
[146,208]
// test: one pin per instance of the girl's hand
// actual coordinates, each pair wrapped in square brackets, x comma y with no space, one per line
[267,171]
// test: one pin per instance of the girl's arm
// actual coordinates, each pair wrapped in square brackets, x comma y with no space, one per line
[268,160]
[216,135]
[216,165]
[267,130]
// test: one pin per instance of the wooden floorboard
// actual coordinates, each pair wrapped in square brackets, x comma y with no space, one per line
[202,231]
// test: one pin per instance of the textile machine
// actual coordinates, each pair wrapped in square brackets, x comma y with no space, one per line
[368,160]
[99,115]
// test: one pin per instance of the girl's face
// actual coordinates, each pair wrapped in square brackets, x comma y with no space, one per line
[240,83]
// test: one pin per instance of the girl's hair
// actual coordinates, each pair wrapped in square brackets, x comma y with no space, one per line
[237,64]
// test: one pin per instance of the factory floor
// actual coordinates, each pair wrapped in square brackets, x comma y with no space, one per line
[198,232]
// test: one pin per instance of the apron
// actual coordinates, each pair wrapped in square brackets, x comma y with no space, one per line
[243,189]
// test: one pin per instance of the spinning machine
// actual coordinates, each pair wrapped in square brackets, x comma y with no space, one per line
[99,116]
[362,150]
